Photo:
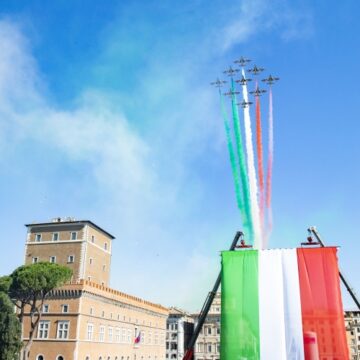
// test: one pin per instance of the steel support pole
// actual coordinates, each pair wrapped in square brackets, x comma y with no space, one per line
[206,307]
[312,230]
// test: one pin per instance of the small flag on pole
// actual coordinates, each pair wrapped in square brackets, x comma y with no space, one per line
[137,338]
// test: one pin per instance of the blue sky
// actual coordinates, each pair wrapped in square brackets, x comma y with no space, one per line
[106,114]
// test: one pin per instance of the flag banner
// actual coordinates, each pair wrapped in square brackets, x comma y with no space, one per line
[273,299]
[321,303]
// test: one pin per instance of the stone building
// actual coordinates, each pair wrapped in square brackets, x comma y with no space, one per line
[86,319]
[180,327]
[352,325]
[207,346]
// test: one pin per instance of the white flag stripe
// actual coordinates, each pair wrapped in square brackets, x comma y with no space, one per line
[271,306]
[292,308]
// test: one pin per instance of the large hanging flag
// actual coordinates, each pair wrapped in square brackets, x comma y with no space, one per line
[282,304]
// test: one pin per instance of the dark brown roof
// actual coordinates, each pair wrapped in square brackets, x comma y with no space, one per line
[73,222]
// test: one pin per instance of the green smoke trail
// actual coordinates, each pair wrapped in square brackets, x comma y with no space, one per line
[242,165]
[234,169]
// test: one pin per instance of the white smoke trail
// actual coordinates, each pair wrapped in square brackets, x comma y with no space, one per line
[258,243]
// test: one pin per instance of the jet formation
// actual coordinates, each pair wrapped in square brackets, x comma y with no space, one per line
[255,71]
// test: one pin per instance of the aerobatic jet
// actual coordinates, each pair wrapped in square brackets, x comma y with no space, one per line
[230,93]
[218,83]
[244,104]
[257,92]
[270,80]
[256,70]
[243,80]
[242,61]
[230,71]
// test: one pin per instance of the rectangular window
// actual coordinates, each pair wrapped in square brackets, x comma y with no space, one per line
[142,337]
[55,236]
[123,338]
[90,331]
[209,348]
[63,330]
[65,308]
[38,237]
[209,330]
[90,261]
[43,329]
[102,333]
[73,235]
[105,246]
[129,337]
[45,308]
[117,335]
[71,258]
[110,333]
[92,238]
[53,259]
[35,260]
[91,311]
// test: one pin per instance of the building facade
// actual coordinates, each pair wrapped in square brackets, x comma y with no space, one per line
[179,329]
[352,325]
[207,346]
[86,319]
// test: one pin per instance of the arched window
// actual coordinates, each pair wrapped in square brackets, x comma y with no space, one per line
[60,357]
[87,358]
[100,358]
[40,357]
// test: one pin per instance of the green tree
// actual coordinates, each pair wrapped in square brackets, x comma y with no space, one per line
[5,282]
[30,284]
[10,330]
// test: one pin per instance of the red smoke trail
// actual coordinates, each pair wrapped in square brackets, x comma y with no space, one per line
[259,148]
[270,164]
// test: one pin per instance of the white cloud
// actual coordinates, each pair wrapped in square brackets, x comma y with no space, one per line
[252,17]
[91,132]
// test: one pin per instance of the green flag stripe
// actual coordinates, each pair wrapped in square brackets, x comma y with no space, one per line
[240,338]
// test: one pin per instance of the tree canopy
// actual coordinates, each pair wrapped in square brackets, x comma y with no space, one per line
[28,286]
[10,330]
[5,282]
[35,281]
